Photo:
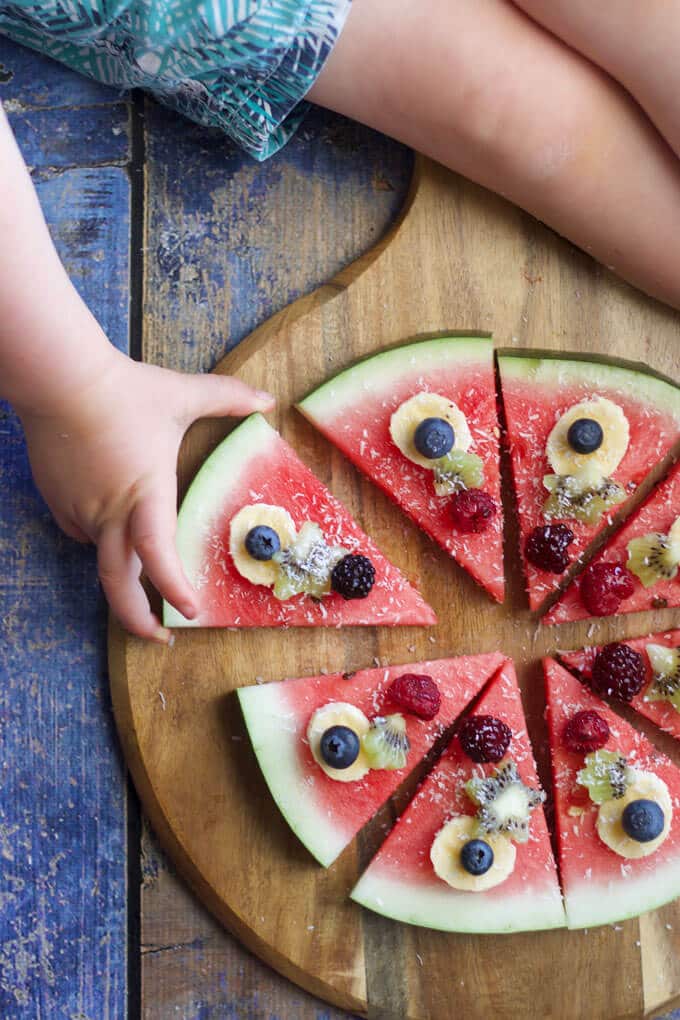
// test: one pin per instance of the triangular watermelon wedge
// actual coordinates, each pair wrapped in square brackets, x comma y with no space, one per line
[536,393]
[324,813]
[656,514]
[600,886]
[400,881]
[354,410]
[255,465]
[663,713]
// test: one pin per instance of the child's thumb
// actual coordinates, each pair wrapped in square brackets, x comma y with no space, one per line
[214,396]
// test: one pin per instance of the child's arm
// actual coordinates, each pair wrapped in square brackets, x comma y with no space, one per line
[103,431]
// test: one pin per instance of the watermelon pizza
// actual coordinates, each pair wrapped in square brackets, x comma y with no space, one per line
[638,567]
[265,544]
[617,808]
[644,672]
[471,852]
[334,748]
[420,420]
[582,436]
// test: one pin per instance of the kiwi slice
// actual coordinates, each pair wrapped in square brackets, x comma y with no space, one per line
[456,471]
[654,557]
[504,802]
[580,498]
[386,744]
[665,685]
[606,776]
[306,565]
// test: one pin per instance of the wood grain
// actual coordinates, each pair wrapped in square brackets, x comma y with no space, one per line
[463,260]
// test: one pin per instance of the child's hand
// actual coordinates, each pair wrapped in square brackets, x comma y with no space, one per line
[106,466]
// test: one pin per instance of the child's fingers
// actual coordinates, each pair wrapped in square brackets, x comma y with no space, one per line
[119,570]
[212,396]
[152,534]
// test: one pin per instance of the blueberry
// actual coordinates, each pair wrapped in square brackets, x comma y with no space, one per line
[643,820]
[339,747]
[433,438]
[476,857]
[262,542]
[585,435]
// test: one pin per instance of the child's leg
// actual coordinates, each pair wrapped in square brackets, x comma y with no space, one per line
[477,85]
[636,41]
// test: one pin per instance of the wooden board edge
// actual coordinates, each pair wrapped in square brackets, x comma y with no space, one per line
[127,734]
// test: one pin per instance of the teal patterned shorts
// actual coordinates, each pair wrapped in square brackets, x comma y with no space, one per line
[241,65]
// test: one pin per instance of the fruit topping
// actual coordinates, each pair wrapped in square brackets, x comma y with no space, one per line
[665,685]
[504,802]
[584,497]
[484,738]
[613,830]
[353,576]
[262,542]
[476,857]
[586,731]
[606,775]
[433,438]
[417,694]
[339,747]
[446,854]
[604,586]
[473,510]
[642,820]
[546,547]
[338,715]
[386,744]
[408,417]
[305,566]
[258,518]
[618,672]
[605,420]
[585,435]
[457,471]
[655,557]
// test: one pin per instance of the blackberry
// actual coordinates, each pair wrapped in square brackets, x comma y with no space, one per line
[353,577]
[484,738]
[546,547]
[618,671]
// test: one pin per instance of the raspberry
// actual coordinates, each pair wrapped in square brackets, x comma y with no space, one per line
[585,732]
[353,576]
[604,586]
[485,738]
[546,547]
[416,694]
[473,510]
[618,671]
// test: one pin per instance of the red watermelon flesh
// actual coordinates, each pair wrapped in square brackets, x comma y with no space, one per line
[600,886]
[657,513]
[663,713]
[324,813]
[353,410]
[536,392]
[400,881]
[255,465]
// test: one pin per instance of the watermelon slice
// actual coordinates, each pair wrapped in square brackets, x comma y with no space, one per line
[599,885]
[536,393]
[663,713]
[255,465]
[656,514]
[354,409]
[324,813]
[401,883]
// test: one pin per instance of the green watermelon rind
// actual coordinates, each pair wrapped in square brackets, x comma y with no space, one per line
[558,372]
[600,902]
[379,372]
[214,482]
[447,910]
[265,716]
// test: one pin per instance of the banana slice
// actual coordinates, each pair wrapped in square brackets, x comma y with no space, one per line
[445,856]
[609,826]
[565,460]
[258,571]
[409,415]
[339,713]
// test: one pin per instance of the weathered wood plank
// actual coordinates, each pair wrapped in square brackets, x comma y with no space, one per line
[32,80]
[53,139]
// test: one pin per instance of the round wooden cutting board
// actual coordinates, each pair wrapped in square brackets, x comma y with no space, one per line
[458,260]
